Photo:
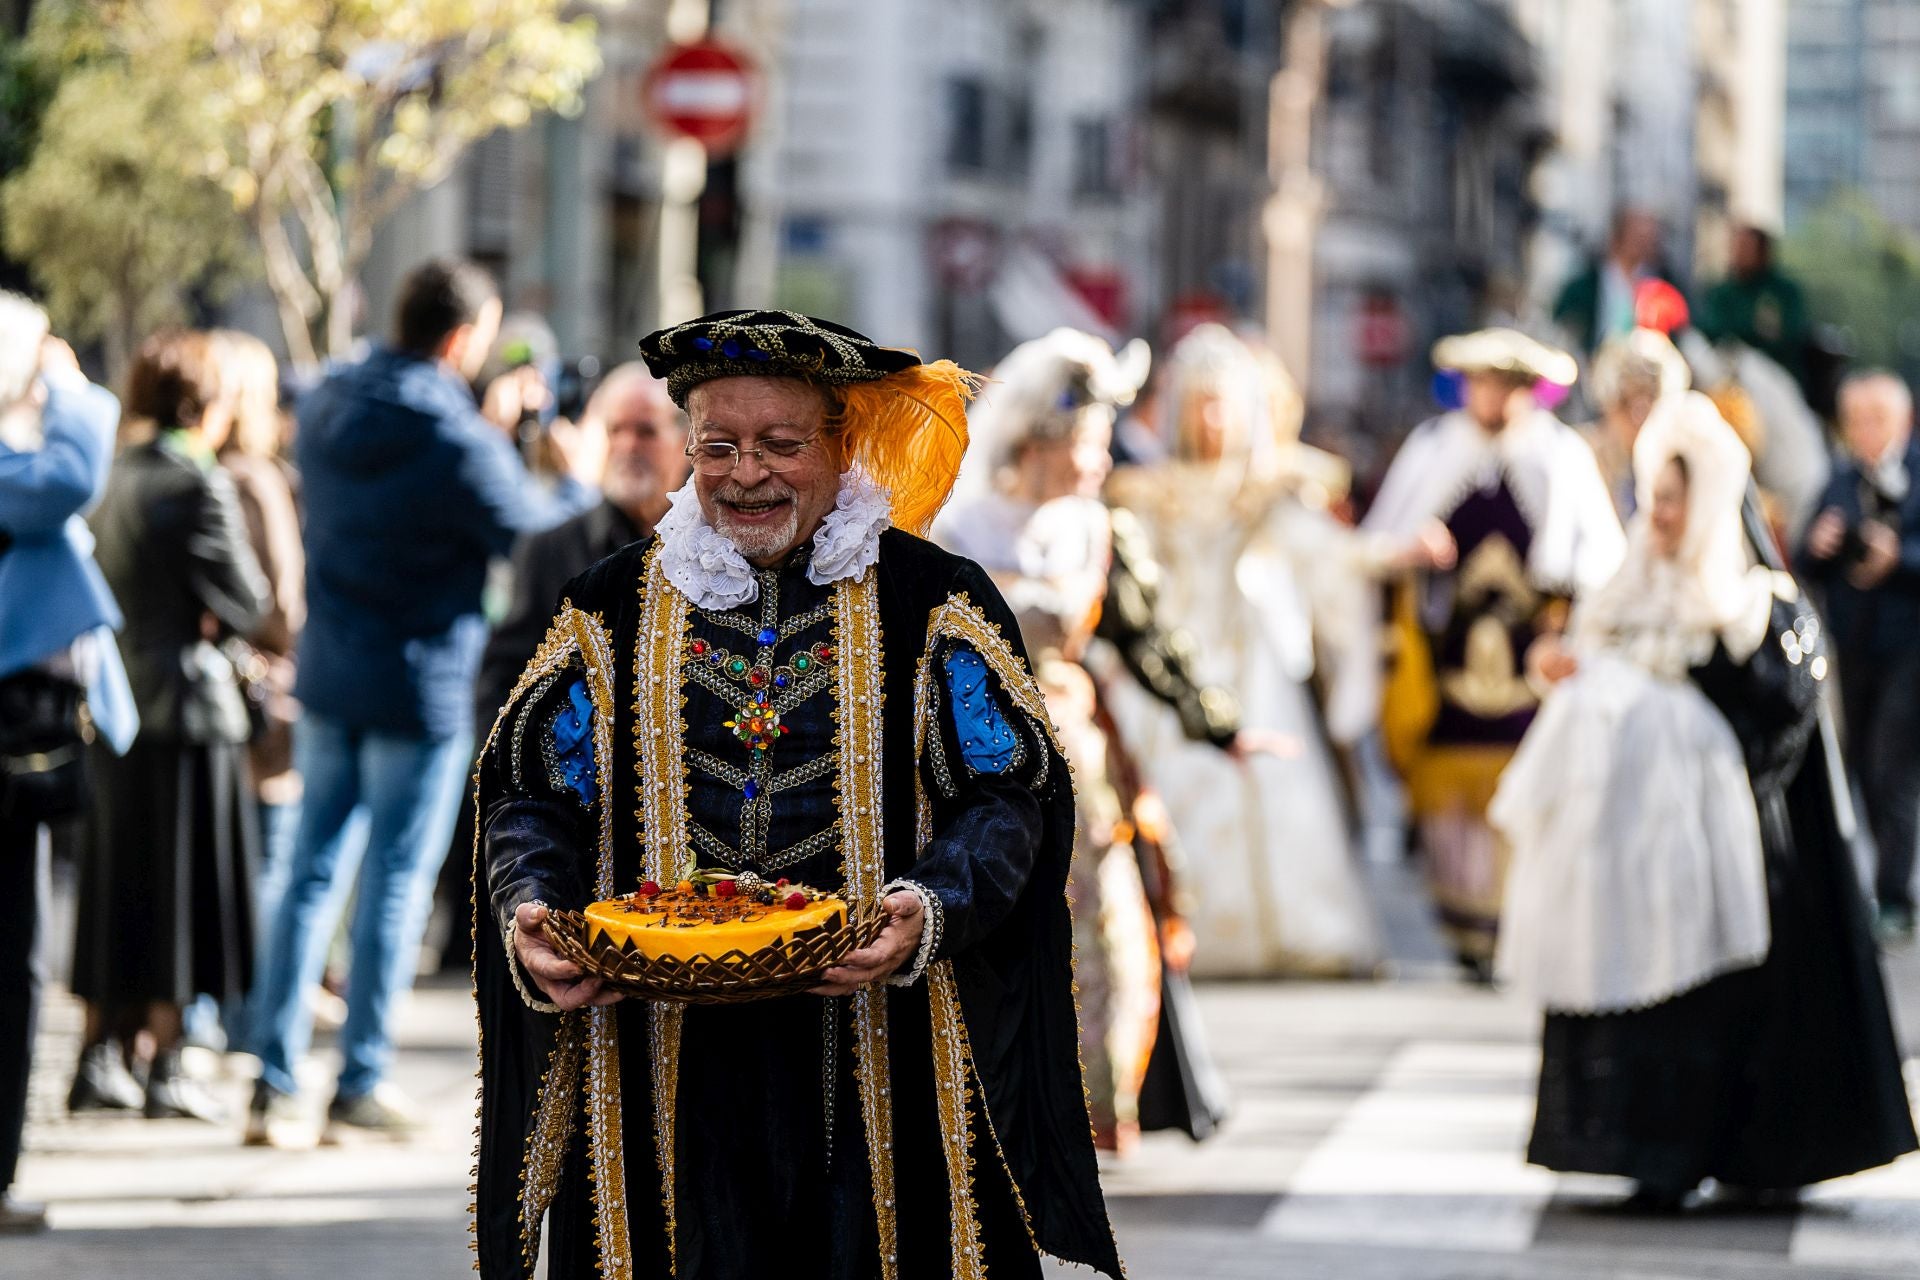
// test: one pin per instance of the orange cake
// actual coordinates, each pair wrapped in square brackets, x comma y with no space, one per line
[711,914]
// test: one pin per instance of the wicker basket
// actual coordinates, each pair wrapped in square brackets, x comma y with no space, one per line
[734,978]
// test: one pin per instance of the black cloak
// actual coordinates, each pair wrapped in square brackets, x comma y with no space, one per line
[993,1021]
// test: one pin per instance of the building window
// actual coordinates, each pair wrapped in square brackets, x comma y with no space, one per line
[490,202]
[1093,160]
[989,128]
[1017,113]
[966,124]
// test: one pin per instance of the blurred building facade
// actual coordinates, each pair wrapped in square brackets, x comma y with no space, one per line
[564,211]
[1853,105]
[1427,133]
[1474,152]
[960,175]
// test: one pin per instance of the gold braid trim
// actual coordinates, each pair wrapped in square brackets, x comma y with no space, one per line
[953,1093]
[547,1140]
[571,632]
[659,731]
[960,619]
[857,727]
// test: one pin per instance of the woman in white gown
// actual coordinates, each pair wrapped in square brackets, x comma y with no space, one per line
[1263,581]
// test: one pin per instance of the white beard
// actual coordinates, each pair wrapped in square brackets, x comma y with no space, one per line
[760,542]
[630,490]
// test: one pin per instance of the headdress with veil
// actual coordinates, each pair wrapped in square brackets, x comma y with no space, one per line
[1667,612]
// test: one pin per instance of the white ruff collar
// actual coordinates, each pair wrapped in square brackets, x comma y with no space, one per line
[710,571]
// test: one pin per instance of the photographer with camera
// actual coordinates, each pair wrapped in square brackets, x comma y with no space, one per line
[1863,554]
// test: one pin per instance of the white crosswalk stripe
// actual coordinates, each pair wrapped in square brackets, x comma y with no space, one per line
[1428,1158]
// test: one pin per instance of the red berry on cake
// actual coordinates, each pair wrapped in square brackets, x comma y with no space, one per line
[795,901]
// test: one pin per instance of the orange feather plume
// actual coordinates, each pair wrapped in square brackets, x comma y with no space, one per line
[908,431]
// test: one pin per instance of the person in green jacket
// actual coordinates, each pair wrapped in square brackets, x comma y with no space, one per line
[1759,305]
[1599,302]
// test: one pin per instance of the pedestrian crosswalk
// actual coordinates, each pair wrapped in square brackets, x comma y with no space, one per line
[1425,1158]
[1377,1134]
[1421,1174]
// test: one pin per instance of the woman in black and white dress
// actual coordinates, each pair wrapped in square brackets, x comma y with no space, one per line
[1683,902]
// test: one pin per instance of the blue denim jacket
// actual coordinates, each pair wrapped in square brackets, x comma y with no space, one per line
[51,591]
[409,493]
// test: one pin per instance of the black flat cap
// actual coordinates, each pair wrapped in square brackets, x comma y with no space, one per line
[776,344]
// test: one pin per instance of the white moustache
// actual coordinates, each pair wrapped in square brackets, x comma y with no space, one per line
[769,490]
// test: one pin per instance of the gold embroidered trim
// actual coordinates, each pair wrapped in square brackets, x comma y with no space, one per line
[571,632]
[960,619]
[608,1166]
[663,1039]
[660,731]
[858,679]
[547,1140]
[953,1094]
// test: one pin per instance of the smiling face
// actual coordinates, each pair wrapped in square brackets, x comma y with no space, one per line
[1667,520]
[763,514]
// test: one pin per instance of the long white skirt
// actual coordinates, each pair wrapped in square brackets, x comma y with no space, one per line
[1275,885]
[1637,867]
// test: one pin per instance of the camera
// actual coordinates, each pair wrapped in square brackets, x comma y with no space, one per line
[1853,547]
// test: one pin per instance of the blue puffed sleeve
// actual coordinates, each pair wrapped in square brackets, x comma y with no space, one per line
[568,746]
[988,742]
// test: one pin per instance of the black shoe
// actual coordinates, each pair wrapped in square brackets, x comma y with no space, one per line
[1652,1198]
[172,1094]
[20,1217]
[1741,1199]
[384,1112]
[1477,970]
[102,1082]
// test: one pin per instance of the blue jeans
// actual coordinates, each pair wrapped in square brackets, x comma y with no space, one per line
[410,790]
[279,825]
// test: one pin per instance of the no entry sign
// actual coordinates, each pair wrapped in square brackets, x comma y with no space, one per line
[702,91]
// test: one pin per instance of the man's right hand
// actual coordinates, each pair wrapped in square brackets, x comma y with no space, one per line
[564,982]
[1880,556]
[1828,535]
[513,395]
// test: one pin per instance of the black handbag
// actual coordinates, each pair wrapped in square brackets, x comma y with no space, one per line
[44,732]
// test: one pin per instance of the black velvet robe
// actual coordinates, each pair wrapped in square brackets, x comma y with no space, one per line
[757,1189]
[1769,1078]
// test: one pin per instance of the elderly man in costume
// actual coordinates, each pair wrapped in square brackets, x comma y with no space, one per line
[920,1114]
[1532,525]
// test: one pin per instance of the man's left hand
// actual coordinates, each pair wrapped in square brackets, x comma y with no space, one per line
[895,946]
[1882,554]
